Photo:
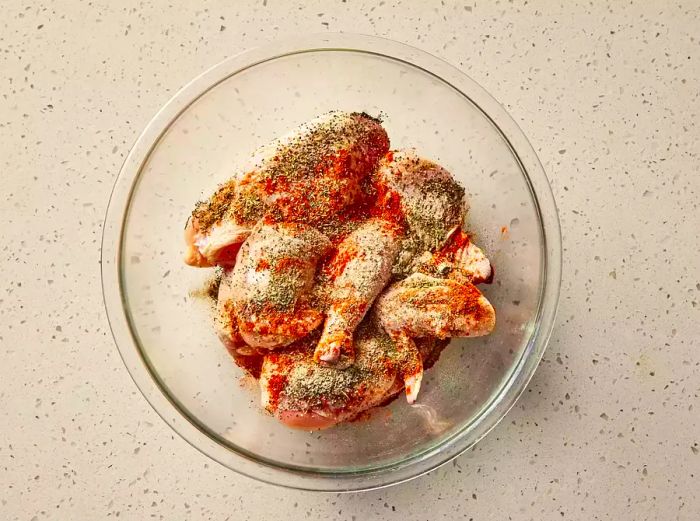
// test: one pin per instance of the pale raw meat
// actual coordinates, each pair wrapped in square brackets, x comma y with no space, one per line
[211,236]
[322,226]
[459,259]
[432,201]
[421,305]
[225,320]
[360,269]
[304,394]
[426,306]
[307,176]
[271,284]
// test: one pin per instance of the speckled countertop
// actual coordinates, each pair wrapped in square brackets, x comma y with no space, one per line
[609,428]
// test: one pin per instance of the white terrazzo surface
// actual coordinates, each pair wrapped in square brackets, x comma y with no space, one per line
[608,94]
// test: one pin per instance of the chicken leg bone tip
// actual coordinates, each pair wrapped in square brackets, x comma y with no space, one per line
[412,386]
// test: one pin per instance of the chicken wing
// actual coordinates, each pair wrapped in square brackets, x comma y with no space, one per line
[271,282]
[459,259]
[359,270]
[425,306]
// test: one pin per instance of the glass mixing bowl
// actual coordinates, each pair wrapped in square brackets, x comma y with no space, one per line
[163,329]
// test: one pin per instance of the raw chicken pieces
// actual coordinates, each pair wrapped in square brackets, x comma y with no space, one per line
[432,201]
[421,305]
[225,320]
[424,306]
[304,394]
[212,236]
[270,286]
[459,259]
[313,172]
[308,176]
[345,269]
[359,270]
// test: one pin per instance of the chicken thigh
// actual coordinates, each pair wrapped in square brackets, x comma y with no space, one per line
[307,176]
[312,173]
[271,282]
[433,203]
[358,271]
[304,394]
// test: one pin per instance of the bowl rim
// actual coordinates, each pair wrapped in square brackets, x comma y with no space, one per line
[299,477]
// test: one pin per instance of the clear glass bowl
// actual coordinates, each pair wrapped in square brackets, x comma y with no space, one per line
[163,330]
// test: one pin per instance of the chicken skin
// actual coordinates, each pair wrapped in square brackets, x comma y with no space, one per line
[270,285]
[426,306]
[358,271]
[211,236]
[307,176]
[346,269]
[225,320]
[421,305]
[307,395]
[433,203]
[459,259]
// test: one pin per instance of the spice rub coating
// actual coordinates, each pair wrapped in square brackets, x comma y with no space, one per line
[307,176]
[344,269]
[270,285]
